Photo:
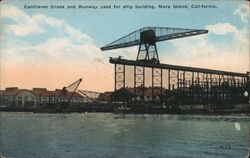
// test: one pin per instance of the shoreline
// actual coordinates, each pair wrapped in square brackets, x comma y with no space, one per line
[197,112]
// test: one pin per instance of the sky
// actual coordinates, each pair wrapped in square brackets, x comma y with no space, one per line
[52,48]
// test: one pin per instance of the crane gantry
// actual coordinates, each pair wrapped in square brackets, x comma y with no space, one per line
[187,85]
[147,38]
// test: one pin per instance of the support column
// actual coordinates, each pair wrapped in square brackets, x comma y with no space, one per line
[169,85]
[198,87]
[192,89]
[139,82]
[161,99]
[119,79]
[207,88]
[152,95]
[184,81]
[248,80]
[156,82]
[248,86]
[178,80]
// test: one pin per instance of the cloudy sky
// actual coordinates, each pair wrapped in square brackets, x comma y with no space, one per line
[54,47]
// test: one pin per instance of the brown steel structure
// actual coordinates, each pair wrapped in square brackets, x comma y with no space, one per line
[187,85]
[181,84]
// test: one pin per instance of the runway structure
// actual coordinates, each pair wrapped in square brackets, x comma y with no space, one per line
[147,81]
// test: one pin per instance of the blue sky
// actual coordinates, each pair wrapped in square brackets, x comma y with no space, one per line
[67,41]
[107,25]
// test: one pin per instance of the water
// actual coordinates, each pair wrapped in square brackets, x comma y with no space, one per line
[28,135]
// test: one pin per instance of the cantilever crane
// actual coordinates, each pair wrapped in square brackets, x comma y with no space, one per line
[147,37]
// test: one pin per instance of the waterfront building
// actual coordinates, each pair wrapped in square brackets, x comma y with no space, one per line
[24,98]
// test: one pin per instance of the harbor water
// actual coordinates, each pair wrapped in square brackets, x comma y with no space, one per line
[97,135]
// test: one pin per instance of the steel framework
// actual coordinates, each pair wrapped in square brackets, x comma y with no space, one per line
[139,83]
[183,85]
[147,37]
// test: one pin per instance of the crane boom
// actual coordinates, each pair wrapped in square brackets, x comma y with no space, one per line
[161,34]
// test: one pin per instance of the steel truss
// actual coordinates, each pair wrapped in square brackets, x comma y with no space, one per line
[139,83]
[183,85]
[119,76]
[157,85]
